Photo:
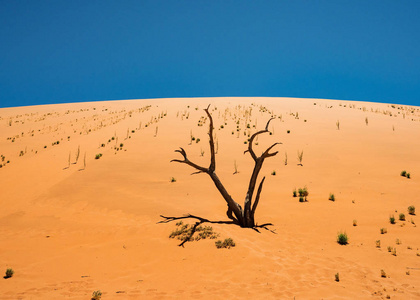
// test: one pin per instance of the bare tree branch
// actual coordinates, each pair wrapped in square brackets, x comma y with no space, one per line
[257,197]
[188,162]
[251,140]
[212,166]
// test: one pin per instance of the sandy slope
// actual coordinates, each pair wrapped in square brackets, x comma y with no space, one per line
[68,229]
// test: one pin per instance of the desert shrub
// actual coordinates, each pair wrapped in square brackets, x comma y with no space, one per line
[337,277]
[404,173]
[273,173]
[411,210]
[378,244]
[9,273]
[383,230]
[394,252]
[98,156]
[205,232]
[354,222]
[184,232]
[392,219]
[408,175]
[303,192]
[227,243]
[173,179]
[402,217]
[342,238]
[389,248]
[96,295]
[197,140]
[301,199]
[331,197]
[288,131]
[383,274]
[294,193]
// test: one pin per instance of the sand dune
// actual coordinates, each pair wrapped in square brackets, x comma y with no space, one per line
[71,224]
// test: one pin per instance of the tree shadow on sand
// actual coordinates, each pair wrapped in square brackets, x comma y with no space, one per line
[201,220]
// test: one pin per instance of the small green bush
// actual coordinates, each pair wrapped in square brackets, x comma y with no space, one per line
[331,197]
[227,243]
[98,156]
[303,192]
[273,173]
[411,210]
[403,173]
[337,277]
[392,219]
[96,295]
[294,193]
[9,273]
[342,238]
[402,217]
[173,179]
[383,230]
[301,199]
[408,175]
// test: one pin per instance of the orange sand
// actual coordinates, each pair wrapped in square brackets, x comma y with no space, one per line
[67,230]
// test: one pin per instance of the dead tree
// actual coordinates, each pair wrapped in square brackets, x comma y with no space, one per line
[241,216]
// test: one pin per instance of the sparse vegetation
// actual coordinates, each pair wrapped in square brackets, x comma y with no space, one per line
[227,243]
[9,273]
[383,230]
[186,232]
[303,193]
[294,193]
[378,244]
[236,167]
[173,179]
[402,217]
[331,197]
[403,173]
[383,274]
[342,238]
[273,173]
[300,157]
[354,222]
[411,210]
[337,277]
[394,252]
[96,295]
[392,219]
[98,156]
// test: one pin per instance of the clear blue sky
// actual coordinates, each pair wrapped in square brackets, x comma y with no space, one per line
[73,51]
